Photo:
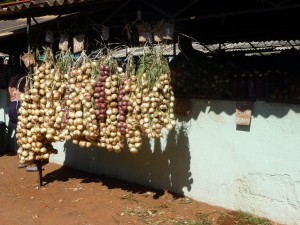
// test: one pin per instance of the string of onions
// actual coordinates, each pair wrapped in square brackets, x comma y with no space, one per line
[94,103]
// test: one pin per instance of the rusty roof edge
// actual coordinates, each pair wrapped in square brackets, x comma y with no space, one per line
[27,4]
[13,3]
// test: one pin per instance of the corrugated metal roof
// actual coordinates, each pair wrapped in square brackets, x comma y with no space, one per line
[9,9]
[10,27]
[167,50]
[254,46]
[273,45]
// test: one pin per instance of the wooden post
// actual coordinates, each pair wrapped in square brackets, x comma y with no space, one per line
[40,169]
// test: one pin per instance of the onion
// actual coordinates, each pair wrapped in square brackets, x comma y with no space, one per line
[99,84]
[113,117]
[98,89]
[101,116]
[102,79]
[109,112]
[114,96]
[122,130]
[115,111]
[101,99]
[113,90]
[88,104]
[79,114]
[108,92]
[121,118]
[46,156]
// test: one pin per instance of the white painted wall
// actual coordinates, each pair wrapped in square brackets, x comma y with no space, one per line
[209,159]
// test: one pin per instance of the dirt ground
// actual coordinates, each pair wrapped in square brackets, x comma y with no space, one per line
[71,197]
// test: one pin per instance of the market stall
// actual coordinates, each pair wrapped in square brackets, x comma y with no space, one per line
[216,120]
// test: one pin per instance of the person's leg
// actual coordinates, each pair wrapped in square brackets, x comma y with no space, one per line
[10,140]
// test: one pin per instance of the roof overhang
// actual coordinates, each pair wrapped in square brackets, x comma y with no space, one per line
[34,8]
[11,27]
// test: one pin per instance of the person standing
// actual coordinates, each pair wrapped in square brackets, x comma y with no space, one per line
[15,88]
[14,105]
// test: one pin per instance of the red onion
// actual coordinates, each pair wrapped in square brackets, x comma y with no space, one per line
[102,79]
[101,116]
[102,67]
[97,100]
[120,98]
[97,89]
[97,95]
[122,129]
[99,84]
[97,112]
[121,118]
[101,99]
[97,105]
[102,106]
[102,111]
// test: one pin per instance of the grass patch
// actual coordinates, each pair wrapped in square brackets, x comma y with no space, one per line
[241,218]
[116,221]
[129,197]
[185,201]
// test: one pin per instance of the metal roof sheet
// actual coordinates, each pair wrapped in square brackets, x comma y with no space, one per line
[10,27]
[16,7]
[273,45]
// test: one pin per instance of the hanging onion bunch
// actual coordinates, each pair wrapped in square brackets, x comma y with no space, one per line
[78,102]
[99,95]
[60,91]
[86,121]
[31,133]
[157,106]
[133,96]
[114,139]
[122,105]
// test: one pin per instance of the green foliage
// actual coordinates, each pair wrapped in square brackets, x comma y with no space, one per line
[249,219]
[242,218]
